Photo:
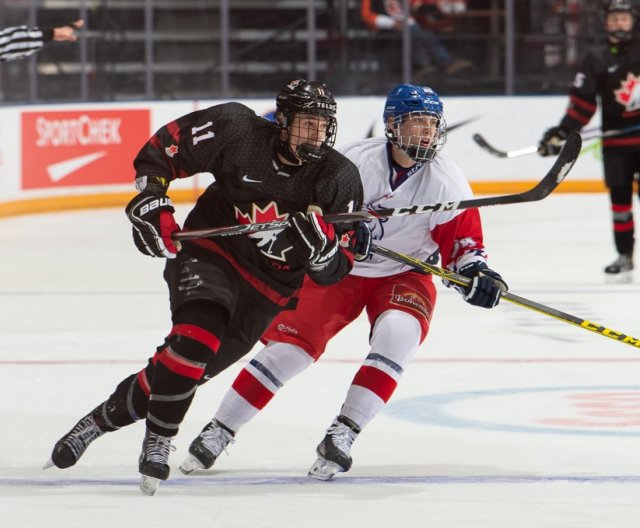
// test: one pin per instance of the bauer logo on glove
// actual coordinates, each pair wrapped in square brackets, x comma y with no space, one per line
[153,224]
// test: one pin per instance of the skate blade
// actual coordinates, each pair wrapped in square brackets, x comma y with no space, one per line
[323,469]
[149,485]
[191,464]
[624,277]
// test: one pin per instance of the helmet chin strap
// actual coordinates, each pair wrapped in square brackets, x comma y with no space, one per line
[620,36]
[309,153]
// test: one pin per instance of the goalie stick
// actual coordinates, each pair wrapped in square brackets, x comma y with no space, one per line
[551,180]
[507,296]
[588,134]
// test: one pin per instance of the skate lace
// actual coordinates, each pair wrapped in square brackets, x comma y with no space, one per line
[82,435]
[158,448]
[216,438]
[342,436]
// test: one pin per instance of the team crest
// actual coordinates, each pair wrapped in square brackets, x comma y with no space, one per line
[267,241]
[629,93]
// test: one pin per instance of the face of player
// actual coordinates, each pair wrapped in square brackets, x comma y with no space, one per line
[415,134]
[619,21]
[309,129]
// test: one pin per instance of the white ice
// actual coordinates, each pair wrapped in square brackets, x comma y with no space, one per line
[507,418]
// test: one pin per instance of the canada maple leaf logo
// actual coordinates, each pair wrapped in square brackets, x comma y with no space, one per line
[265,240]
[629,93]
[171,150]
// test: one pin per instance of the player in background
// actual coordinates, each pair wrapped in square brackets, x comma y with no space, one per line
[225,291]
[21,41]
[610,72]
[405,168]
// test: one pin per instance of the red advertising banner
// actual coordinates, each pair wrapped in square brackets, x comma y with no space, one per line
[81,147]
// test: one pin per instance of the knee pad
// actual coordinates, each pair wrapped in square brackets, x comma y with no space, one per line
[396,336]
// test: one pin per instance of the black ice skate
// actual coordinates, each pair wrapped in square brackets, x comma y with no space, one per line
[153,463]
[207,446]
[619,271]
[72,446]
[334,452]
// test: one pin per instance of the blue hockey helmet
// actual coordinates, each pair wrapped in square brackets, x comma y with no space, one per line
[408,101]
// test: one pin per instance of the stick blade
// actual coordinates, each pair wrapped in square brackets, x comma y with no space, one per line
[482,143]
[568,156]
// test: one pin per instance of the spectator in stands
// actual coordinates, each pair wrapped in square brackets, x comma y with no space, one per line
[21,41]
[427,17]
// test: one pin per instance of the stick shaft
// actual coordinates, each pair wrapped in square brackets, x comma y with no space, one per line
[512,298]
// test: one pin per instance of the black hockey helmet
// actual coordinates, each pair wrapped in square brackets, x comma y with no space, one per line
[620,6]
[300,96]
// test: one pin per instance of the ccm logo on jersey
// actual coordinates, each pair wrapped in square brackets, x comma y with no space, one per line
[158,202]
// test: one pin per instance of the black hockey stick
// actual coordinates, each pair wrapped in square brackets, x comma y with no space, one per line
[552,179]
[512,298]
[589,134]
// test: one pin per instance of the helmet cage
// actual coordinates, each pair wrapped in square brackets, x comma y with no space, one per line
[418,141]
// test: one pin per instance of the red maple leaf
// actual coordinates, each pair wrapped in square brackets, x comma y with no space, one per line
[171,150]
[623,95]
[259,214]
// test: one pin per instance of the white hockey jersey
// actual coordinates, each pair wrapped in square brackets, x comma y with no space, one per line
[456,235]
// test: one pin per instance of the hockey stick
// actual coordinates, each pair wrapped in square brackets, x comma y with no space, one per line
[587,135]
[551,180]
[507,296]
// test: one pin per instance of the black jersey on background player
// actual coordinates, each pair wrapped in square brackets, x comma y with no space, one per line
[610,73]
[225,291]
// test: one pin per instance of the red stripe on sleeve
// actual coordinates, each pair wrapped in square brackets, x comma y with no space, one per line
[578,116]
[586,105]
[174,130]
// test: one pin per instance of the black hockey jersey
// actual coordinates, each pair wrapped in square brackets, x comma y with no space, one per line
[238,148]
[612,74]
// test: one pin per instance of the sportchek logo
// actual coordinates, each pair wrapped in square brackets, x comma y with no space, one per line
[85,147]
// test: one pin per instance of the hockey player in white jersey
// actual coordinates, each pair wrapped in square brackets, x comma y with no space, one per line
[403,169]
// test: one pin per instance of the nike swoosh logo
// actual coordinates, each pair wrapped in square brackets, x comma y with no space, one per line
[249,180]
[59,171]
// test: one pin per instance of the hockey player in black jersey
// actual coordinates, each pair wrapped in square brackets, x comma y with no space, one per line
[610,72]
[225,291]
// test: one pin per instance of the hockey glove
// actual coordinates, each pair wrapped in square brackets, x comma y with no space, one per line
[316,239]
[362,242]
[153,224]
[486,285]
[552,141]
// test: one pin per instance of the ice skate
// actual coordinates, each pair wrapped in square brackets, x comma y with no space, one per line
[334,450]
[72,446]
[620,270]
[153,463]
[206,448]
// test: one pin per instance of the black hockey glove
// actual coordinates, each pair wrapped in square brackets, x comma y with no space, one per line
[486,285]
[153,224]
[315,238]
[362,242]
[552,141]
